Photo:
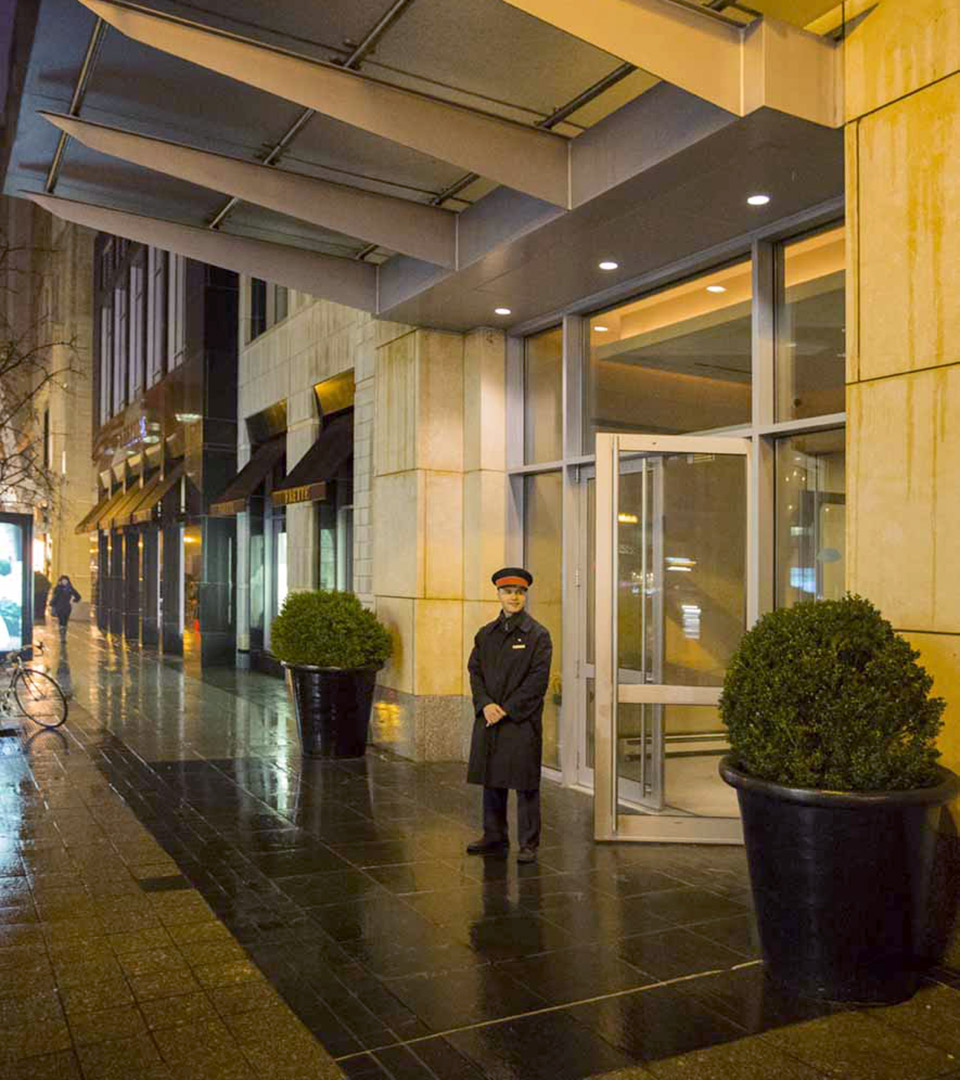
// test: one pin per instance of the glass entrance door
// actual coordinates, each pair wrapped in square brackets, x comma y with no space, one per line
[670,602]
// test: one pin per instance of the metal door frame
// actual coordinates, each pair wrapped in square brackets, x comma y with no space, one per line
[609,823]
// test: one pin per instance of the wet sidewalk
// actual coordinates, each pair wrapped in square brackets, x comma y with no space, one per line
[185,896]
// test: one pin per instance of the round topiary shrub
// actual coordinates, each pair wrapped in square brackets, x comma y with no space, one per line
[826,695]
[330,630]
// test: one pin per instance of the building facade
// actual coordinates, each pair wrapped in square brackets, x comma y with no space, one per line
[665,316]
[47,301]
[163,444]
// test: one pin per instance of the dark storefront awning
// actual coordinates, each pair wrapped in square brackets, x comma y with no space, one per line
[88,523]
[250,477]
[103,518]
[124,515]
[323,462]
[118,515]
[143,511]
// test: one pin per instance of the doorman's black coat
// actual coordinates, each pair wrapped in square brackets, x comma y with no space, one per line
[511,669]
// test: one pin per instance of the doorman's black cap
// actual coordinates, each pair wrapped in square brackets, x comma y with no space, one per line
[512,575]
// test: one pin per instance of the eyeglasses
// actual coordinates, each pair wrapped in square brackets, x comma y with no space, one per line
[512,590]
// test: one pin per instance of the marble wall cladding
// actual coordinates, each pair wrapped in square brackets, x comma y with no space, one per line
[301,546]
[901,46]
[395,437]
[909,242]
[423,727]
[439,401]
[398,535]
[904,492]
[484,530]
[902,71]
[397,615]
[484,400]
[940,655]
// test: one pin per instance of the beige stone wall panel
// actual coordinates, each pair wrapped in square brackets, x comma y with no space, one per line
[443,540]
[909,237]
[438,634]
[397,614]
[395,435]
[484,400]
[398,534]
[852,246]
[439,401]
[940,655]
[484,530]
[901,46]
[904,452]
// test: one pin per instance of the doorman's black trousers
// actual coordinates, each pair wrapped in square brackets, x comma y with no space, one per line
[528,816]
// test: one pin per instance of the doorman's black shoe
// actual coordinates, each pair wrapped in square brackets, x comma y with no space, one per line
[487,847]
[526,855]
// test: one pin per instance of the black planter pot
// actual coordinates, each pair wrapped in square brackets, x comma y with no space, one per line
[333,709]
[841,884]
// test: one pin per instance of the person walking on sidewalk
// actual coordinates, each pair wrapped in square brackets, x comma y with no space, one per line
[509,671]
[62,601]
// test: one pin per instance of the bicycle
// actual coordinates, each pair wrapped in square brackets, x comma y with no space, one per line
[37,694]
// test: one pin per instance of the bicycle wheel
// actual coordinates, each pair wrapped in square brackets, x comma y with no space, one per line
[40,697]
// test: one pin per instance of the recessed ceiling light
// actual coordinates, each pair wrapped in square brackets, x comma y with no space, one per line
[502,311]
[716,288]
[758,200]
[601,329]
[609,264]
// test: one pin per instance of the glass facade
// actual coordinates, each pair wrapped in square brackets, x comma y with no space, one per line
[753,354]
[543,557]
[810,517]
[811,346]
[543,397]
[673,362]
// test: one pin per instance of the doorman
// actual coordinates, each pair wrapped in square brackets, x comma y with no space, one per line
[509,671]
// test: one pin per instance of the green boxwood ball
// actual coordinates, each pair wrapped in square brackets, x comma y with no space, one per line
[328,629]
[826,695]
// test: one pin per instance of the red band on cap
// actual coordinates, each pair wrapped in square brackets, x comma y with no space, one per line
[512,581]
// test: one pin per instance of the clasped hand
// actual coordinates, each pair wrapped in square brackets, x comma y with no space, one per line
[493,714]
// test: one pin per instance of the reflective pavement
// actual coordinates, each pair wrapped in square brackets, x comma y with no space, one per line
[184,895]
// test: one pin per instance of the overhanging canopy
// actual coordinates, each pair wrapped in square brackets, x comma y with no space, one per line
[106,514]
[307,481]
[143,511]
[144,495]
[89,522]
[250,477]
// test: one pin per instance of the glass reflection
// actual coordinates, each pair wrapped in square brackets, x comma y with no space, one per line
[811,321]
[811,517]
[675,362]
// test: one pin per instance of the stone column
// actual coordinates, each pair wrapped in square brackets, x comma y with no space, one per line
[903,325]
[418,540]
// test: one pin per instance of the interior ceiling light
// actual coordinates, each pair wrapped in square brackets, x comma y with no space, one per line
[716,288]
[758,200]
[502,311]
[601,329]
[609,264]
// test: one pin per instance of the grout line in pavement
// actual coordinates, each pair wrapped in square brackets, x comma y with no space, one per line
[546,1009]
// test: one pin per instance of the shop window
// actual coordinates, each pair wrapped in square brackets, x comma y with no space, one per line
[156,315]
[810,517]
[106,362]
[335,541]
[674,362]
[137,328]
[258,307]
[811,327]
[120,343]
[176,310]
[543,397]
[543,557]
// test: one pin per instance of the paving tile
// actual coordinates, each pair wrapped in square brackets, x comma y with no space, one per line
[122,1059]
[34,1039]
[159,984]
[226,973]
[93,1027]
[153,960]
[92,997]
[932,1014]
[246,996]
[854,1046]
[59,1066]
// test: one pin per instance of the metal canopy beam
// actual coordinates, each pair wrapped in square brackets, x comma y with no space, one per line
[740,68]
[425,232]
[343,281]
[530,160]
